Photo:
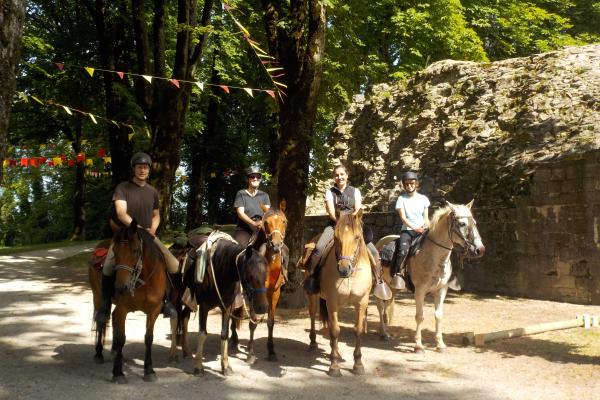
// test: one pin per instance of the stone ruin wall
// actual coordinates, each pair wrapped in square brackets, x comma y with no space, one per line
[520,136]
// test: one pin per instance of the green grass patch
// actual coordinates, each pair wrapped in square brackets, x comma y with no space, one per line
[78,261]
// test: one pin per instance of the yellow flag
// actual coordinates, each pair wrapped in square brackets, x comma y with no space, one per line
[5,163]
[38,100]
[83,141]
[107,159]
[67,110]
[89,161]
[130,136]
[57,161]
[213,175]
[90,70]
[93,118]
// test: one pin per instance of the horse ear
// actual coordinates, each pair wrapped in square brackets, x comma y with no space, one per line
[470,204]
[358,213]
[282,205]
[248,251]
[263,207]
[263,249]
[452,206]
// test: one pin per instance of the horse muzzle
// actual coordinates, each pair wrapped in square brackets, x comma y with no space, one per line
[122,289]
[477,250]
[344,268]
[260,304]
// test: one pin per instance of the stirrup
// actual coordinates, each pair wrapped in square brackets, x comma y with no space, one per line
[398,282]
[382,291]
[169,311]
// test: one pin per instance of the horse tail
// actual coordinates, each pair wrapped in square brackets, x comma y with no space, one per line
[323,312]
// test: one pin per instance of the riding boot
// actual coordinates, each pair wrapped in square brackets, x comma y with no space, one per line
[108,290]
[311,283]
[168,309]
[399,273]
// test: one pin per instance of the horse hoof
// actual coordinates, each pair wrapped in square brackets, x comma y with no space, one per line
[358,370]
[313,347]
[441,349]
[419,350]
[334,372]
[198,371]
[385,337]
[272,357]
[151,377]
[251,359]
[119,379]
[227,371]
[99,359]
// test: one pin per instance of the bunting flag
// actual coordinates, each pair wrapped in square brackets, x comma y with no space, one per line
[225,88]
[175,82]
[200,85]
[121,74]
[249,91]
[148,78]
[89,70]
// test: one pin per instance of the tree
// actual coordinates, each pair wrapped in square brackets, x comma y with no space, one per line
[12,15]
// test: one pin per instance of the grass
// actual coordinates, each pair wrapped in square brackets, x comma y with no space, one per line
[77,261]
[42,246]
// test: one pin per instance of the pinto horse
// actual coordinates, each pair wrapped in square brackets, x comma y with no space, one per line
[430,268]
[277,255]
[140,285]
[345,279]
[230,264]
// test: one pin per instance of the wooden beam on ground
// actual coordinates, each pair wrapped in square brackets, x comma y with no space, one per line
[483,338]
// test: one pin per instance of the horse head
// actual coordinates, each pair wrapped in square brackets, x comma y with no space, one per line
[275,225]
[463,229]
[253,277]
[348,240]
[127,247]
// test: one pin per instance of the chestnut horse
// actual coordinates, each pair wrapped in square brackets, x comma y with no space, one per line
[277,255]
[140,285]
[430,269]
[346,278]
[231,264]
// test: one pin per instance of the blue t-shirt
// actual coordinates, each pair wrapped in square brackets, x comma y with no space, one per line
[414,206]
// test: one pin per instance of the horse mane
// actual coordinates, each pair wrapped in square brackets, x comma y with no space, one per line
[149,248]
[437,216]
[346,218]
[228,252]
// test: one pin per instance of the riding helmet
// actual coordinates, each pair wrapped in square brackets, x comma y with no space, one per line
[141,158]
[409,175]
[252,170]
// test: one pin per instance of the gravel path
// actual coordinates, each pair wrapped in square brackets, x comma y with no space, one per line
[46,348]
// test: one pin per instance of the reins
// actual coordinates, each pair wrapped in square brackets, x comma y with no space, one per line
[135,271]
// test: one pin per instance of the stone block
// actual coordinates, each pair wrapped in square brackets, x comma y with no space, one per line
[542,175]
[557,174]
[580,269]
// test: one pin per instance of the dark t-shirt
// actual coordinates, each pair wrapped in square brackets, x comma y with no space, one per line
[141,202]
[251,205]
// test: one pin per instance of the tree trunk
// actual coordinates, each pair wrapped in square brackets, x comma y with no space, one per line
[79,189]
[298,46]
[12,15]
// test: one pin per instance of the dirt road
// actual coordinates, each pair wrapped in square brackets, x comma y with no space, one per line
[46,350]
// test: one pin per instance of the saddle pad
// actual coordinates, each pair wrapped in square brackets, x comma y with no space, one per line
[206,251]
[98,257]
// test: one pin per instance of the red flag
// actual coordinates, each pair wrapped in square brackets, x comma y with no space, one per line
[60,66]
[225,88]
[101,152]
[71,163]
[24,162]
[120,74]
[34,162]
[42,160]
[175,82]
[63,157]
[80,157]
[271,93]
[13,163]
[51,163]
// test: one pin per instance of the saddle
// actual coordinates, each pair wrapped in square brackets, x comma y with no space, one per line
[391,251]
[97,258]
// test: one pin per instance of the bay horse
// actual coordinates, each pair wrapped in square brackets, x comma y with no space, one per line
[231,264]
[277,255]
[140,285]
[346,278]
[430,269]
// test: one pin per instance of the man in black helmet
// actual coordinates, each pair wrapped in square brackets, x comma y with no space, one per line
[134,199]
[413,209]
[247,206]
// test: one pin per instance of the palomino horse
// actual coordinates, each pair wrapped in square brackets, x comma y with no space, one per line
[345,279]
[430,268]
[140,285]
[230,264]
[277,254]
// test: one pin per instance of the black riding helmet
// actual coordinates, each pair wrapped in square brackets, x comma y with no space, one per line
[141,158]
[253,170]
[409,175]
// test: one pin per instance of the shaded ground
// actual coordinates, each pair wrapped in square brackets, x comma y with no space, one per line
[46,348]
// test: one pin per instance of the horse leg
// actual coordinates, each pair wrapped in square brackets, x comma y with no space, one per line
[271,324]
[100,335]
[438,298]
[361,317]
[202,335]
[149,374]
[313,304]
[251,356]
[381,308]
[185,347]
[225,367]
[119,316]
[173,349]
[419,301]
[234,339]
[334,334]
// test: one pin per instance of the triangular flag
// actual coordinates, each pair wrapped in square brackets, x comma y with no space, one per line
[120,74]
[130,136]
[57,161]
[249,91]
[213,175]
[90,70]
[71,163]
[89,161]
[67,110]
[60,66]
[175,82]
[270,93]
[148,78]
[114,122]
[24,162]
[93,118]
[225,88]
[200,85]
[84,141]
[5,163]
[34,162]
[101,152]
[38,100]
[42,160]
[107,160]
[146,131]
[80,157]
[23,96]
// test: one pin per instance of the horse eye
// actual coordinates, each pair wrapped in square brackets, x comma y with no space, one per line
[462,224]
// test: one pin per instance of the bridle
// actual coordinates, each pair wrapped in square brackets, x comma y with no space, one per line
[134,280]
[454,229]
[269,235]
[351,260]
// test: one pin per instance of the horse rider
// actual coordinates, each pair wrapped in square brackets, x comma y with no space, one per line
[340,197]
[247,206]
[135,199]
[413,209]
